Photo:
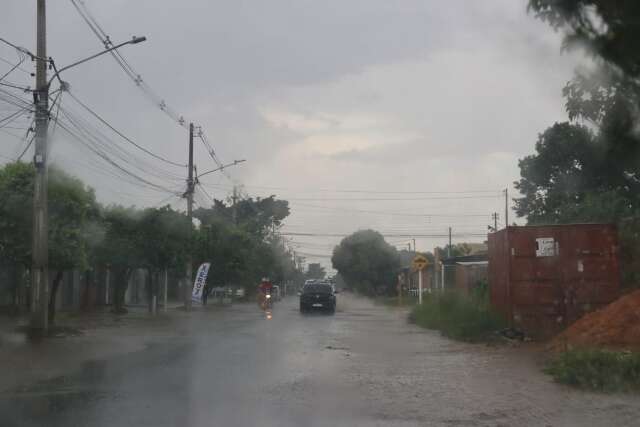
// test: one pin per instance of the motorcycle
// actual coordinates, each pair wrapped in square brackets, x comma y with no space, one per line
[266,302]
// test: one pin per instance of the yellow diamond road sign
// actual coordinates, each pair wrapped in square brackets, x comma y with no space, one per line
[420,262]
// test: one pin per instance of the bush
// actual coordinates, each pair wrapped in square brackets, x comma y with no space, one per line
[405,301]
[600,370]
[465,318]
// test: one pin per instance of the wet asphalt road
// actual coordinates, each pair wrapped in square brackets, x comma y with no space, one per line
[362,367]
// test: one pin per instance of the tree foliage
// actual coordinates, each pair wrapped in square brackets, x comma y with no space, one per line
[610,29]
[367,262]
[240,242]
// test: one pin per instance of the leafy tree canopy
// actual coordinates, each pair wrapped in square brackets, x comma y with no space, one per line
[258,216]
[610,29]
[367,262]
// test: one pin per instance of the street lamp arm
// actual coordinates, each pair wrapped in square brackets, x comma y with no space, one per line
[235,162]
[134,40]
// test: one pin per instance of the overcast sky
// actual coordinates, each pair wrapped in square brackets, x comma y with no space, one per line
[425,106]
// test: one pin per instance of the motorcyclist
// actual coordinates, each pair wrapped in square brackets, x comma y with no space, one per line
[265,288]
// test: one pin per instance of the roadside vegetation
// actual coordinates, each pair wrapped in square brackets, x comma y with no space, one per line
[239,240]
[461,317]
[396,301]
[598,370]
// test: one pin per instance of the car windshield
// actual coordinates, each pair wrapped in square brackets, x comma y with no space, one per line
[317,289]
[165,164]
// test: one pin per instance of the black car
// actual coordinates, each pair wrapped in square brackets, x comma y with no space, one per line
[318,296]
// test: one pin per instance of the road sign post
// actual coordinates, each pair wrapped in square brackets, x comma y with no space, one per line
[420,262]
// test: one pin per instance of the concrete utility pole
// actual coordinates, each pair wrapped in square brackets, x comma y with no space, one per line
[40,250]
[234,208]
[506,207]
[449,248]
[414,245]
[189,195]
[495,221]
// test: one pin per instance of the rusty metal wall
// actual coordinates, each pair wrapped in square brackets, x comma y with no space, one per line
[543,278]
[468,276]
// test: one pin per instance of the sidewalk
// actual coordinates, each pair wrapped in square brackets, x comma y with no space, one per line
[79,338]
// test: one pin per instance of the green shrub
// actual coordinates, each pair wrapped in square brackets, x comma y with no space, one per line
[405,301]
[465,318]
[600,370]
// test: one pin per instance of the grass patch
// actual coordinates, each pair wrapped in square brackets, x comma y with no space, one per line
[405,301]
[599,370]
[457,316]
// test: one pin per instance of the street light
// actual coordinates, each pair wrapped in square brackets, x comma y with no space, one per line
[40,250]
[235,162]
[134,40]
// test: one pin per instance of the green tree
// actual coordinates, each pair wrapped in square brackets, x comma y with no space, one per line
[163,240]
[257,216]
[609,29]
[72,209]
[118,248]
[568,178]
[72,212]
[241,242]
[315,271]
[455,250]
[367,262]
[15,224]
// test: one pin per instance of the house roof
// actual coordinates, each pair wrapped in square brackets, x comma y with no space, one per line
[468,258]
[465,263]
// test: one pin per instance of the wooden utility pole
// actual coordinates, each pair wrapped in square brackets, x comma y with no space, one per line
[189,195]
[40,249]
[495,221]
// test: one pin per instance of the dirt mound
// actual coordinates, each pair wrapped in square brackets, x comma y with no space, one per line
[615,326]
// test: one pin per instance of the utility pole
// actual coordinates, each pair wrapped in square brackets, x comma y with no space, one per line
[189,195]
[40,250]
[235,209]
[506,207]
[414,245]
[409,246]
[449,248]
[495,221]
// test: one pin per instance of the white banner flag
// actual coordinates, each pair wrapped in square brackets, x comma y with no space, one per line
[201,279]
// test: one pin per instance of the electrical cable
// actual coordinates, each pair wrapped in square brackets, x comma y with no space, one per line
[99,32]
[117,132]
[100,139]
[102,155]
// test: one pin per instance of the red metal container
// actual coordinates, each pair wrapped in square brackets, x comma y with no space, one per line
[543,278]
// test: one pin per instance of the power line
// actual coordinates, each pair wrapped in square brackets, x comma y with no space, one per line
[377,199]
[205,193]
[136,77]
[421,215]
[6,61]
[107,144]
[457,235]
[106,158]
[117,132]
[366,191]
